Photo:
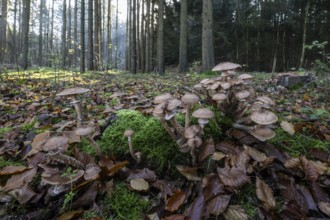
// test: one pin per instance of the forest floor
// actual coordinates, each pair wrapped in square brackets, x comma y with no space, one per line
[48,171]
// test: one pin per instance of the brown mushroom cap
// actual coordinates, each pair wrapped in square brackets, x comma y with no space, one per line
[266,100]
[219,97]
[226,66]
[117,94]
[215,85]
[190,99]
[194,142]
[84,131]
[242,94]
[163,98]
[263,134]
[198,87]
[245,76]
[173,104]
[92,171]
[192,131]
[56,143]
[73,91]
[263,117]
[203,113]
[159,110]
[225,85]
[128,133]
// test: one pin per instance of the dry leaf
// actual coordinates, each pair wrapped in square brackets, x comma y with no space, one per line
[176,217]
[233,177]
[189,172]
[292,162]
[288,127]
[12,170]
[309,169]
[255,154]
[218,205]
[265,194]
[175,201]
[144,174]
[163,187]
[218,156]
[139,184]
[116,167]
[71,214]
[207,149]
[324,207]
[195,210]
[235,212]
[18,180]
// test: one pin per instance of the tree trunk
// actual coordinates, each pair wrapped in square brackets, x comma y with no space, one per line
[41,15]
[152,42]
[138,42]
[3,32]
[82,37]
[14,52]
[25,30]
[133,37]
[147,30]
[64,38]
[90,58]
[128,36]
[96,35]
[183,59]
[160,38]
[276,49]
[69,40]
[75,33]
[109,40]
[207,36]
[304,35]
[51,38]
[117,36]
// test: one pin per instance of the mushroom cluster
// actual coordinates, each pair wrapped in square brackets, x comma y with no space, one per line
[188,138]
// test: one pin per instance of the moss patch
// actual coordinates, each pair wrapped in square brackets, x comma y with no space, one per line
[150,139]
[126,204]
[4,131]
[8,162]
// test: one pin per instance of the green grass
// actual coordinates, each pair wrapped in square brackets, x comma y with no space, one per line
[5,130]
[8,162]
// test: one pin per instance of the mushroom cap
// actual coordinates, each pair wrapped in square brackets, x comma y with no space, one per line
[72,91]
[245,76]
[242,94]
[128,133]
[198,87]
[84,131]
[225,85]
[173,104]
[163,98]
[117,94]
[235,82]
[263,134]
[263,117]
[266,100]
[159,110]
[226,66]
[55,143]
[203,113]
[92,171]
[219,97]
[192,131]
[190,99]
[194,142]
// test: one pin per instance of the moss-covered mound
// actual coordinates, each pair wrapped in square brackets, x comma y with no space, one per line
[150,139]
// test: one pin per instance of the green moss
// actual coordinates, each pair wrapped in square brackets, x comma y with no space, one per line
[8,162]
[5,130]
[86,147]
[298,144]
[150,139]
[248,200]
[28,126]
[126,204]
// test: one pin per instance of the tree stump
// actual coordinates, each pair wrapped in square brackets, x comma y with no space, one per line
[290,80]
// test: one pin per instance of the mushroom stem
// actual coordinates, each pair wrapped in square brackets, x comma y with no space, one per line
[177,126]
[187,121]
[130,146]
[95,145]
[76,105]
[168,128]
[193,155]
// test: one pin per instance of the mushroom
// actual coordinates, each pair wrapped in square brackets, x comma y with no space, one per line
[245,76]
[159,113]
[263,133]
[266,100]
[129,133]
[189,100]
[172,108]
[203,115]
[72,94]
[193,143]
[263,117]
[192,131]
[225,66]
[86,132]
[163,98]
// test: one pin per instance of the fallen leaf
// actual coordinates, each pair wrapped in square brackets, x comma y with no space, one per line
[195,210]
[265,194]
[144,174]
[292,162]
[176,217]
[309,169]
[174,202]
[255,154]
[189,172]
[163,187]
[18,180]
[233,177]
[235,212]
[116,167]
[71,214]
[12,170]
[207,149]
[288,127]
[139,184]
[218,205]
[218,156]
[324,207]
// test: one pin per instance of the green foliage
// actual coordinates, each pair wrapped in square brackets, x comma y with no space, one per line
[248,200]
[90,215]
[126,204]
[28,126]
[68,198]
[150,139]
[8,162]
[86,147]
[4,131]
[316,114]
[298,144]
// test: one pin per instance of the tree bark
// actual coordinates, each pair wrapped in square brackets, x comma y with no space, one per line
[147,30]
[117,36]
[3,32]
[25,30]
[40,49]
[69,40]
[160,38]
[133,37]
[64,37]
[207,36]
[183,59]
[304,35]
[90,59]
[96,35]
[75,33]
[109,39]
[82,37]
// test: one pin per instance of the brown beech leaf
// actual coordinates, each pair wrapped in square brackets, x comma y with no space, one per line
[189,172]
[144,174]
[38,141]
[235,212]
[23,194]
[212,186]
[92,171]
[174,202]
[18,180]
[324,207]
[288,127]
[116,167]
[233,177]
[292,162]
[139,184]
[265,194]
[320,167]
[87,199]
[12,170]
[163,187]
[207,149]
[309,169]
[176,217]
[218,205]
[255,154]
[74,214]
[196,209]
[218,156]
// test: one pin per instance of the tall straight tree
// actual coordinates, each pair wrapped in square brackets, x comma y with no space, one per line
[97,34]
[117,36]
[75,33]
[142,37]
[90,56]
[133,37]
[14,53]
[82,37]
[41,16]
[207,35]
[3,31]
[183,59]
[25,30]
[109,39]
[160,38]
[147,30]
[69,39]
[51,38]
[301,63]
[64,43]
